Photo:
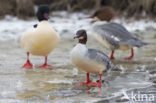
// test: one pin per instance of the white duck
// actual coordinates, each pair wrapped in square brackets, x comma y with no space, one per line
[41,39]
[90,60]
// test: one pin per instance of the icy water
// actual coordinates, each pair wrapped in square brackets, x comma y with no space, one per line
[58,85]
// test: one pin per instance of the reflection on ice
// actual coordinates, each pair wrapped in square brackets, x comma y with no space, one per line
[57,81]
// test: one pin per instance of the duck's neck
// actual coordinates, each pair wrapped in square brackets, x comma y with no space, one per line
[42,20]
[83,41]
[81,47]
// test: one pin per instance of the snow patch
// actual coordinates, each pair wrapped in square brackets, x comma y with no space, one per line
[66,24]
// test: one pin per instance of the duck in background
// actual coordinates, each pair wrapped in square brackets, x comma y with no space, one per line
[113,35]
[104,14]
[90,60]
[41,39]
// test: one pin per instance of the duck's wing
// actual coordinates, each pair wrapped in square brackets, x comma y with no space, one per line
[101,58]
[113,30]
[117,34]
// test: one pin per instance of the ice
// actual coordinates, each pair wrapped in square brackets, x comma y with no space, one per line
[75,71]
[56,81]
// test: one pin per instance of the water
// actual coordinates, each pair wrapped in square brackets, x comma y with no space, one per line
[58,85]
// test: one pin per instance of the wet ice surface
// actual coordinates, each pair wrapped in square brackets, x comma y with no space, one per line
[58,85]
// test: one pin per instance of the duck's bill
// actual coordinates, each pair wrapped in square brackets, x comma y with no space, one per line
[46,15]
[77,36]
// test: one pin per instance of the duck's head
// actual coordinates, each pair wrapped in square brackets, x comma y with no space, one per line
[43,12]
[104,14]
[82,36]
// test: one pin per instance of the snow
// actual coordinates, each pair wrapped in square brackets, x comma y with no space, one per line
[140,25]
[11,28]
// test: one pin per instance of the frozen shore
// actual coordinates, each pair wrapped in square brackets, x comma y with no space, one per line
[66,24]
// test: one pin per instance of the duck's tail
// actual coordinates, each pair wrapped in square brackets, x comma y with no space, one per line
[113,67]
[140,43]
[136,42]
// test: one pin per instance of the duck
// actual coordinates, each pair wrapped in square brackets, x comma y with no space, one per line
[41,39]
[90,60]
[114,36]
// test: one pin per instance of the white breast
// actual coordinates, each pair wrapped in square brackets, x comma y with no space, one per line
[78,53]
[41,40]
[79,58]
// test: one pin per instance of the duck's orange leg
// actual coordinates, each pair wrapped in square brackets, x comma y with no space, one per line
[97,84]
[112,55]
[45,65]
[132,54]
[87,81]
[28,64]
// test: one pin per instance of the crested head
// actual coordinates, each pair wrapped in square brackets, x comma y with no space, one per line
[82,36]
[104,14]
[43,12]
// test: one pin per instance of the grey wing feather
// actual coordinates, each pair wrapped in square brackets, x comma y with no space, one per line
[135,42]
[113,29]
[116,33]
[105,32]
[100,57]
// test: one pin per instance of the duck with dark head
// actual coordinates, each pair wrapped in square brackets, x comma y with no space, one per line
[43,12]
[81,34]
[41,39]
[90,60]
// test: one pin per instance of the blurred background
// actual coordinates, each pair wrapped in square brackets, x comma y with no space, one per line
[24,8]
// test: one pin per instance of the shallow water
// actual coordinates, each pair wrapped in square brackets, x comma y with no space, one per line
[58,85]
